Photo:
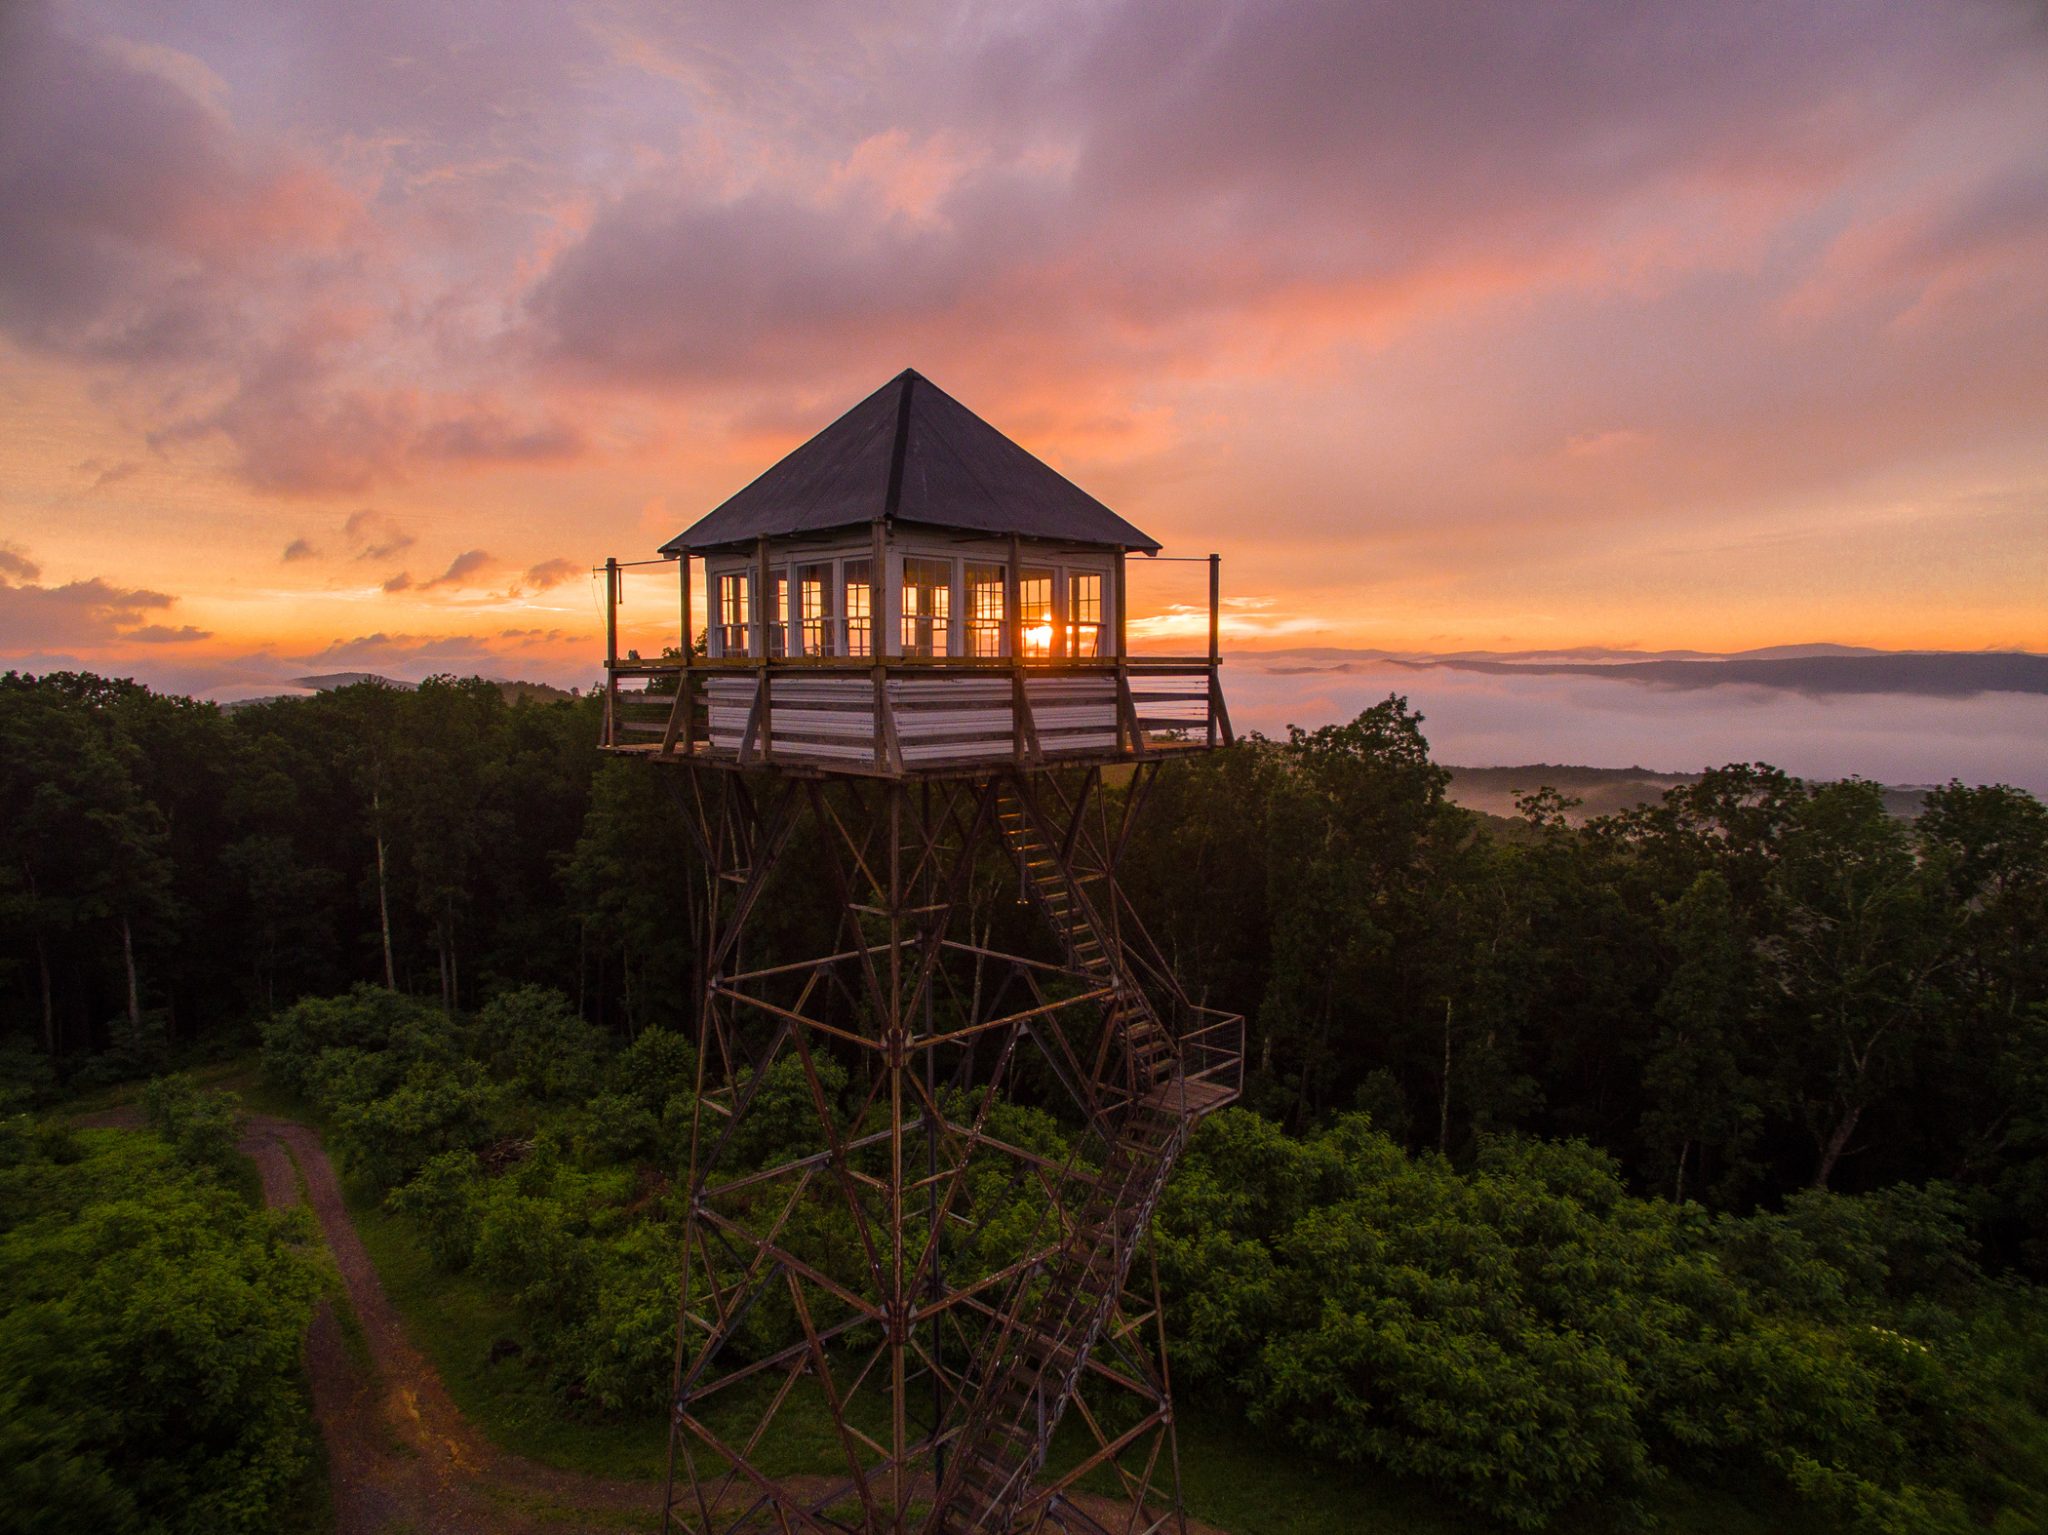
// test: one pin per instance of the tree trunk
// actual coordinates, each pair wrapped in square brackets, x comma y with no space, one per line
[1838,1142]
[383,891]
[128,959]
[626,981]
[1443,1102]
[447,982]
[1678,1188]
[49,994]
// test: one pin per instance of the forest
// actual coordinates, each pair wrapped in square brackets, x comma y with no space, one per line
[1700,1145]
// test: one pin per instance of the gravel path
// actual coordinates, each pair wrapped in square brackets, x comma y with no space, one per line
[402,1459]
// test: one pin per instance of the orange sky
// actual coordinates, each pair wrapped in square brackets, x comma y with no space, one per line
[330,342]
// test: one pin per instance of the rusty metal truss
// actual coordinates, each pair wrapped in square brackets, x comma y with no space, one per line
[922,1170]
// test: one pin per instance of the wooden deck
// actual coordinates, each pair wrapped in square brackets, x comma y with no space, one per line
[910,718]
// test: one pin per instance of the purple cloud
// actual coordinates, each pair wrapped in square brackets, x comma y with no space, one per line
[375,535]
[84,613]
[460,569]
[547,574]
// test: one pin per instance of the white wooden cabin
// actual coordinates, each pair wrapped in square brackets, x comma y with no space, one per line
[995,632]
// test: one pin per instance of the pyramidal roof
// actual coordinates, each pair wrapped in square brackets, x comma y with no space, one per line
[910,452]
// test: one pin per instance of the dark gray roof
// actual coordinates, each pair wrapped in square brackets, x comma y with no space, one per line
[910,452]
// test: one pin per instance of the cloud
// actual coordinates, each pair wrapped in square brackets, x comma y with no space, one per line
[547,574]
[299,549]
[460,569]
[412,656]
[105,474]
[399,583]
[299,427]
[15,564]
[160,634]
[130,209]
[90,613]
[1466,294]
[375,535]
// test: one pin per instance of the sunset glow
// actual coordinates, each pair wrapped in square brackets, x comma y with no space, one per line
[335,339]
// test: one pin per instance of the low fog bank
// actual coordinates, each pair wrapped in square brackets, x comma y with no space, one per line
[1509,716]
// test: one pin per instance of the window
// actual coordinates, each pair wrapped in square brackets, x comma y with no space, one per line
[1034,607]
[778,615]
[860,633]
[985,590]
[814,609]
[732,613]
[1084,613]
[927,607]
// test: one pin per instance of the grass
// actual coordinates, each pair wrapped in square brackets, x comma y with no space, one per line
[1250,1483]
[455,1321]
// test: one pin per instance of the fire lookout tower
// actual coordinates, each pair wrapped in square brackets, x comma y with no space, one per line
[922,1169]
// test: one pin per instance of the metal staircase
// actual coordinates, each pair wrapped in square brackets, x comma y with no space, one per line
[1032,1364]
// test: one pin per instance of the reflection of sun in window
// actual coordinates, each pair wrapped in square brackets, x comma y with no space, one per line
[1034,607]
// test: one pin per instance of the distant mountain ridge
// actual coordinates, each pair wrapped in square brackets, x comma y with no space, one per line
[1604,791]
[328,682]
[1818,670]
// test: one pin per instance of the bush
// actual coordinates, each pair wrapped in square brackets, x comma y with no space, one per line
[200,1127]
[442,1197]
[532,1039]
[437,1107]
[368,1019]
[149,1347]
[1529,1336]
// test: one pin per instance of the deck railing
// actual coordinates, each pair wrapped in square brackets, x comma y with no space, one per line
[892,714]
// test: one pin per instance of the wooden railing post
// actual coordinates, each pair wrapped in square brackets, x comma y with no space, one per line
[1125,710]
[682,715]
[1013,621]
[1215,639]
[879,629]
[764,700]
[611,651]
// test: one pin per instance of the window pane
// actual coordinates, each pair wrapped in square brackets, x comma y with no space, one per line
[778,615]
[985,592]
[1034,606]
[1084,613]
[814,609]
[927,607]
[732,613]
[859,609]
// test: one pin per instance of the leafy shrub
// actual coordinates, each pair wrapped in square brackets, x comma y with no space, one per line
[442,1197]
[533,1039]
[437,1107]
[1530,1336]
[367,1019]
[28,1080]
[200,1127]
[149,1347]
[658,1066]
[618,1127]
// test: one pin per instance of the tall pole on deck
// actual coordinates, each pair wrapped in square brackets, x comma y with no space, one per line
[1215,638]
[611,649]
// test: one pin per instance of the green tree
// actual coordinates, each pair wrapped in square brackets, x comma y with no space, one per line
[1703,1106]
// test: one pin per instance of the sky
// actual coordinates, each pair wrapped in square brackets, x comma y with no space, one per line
[346,335]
